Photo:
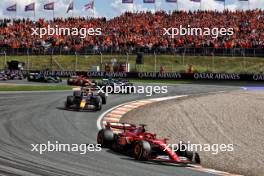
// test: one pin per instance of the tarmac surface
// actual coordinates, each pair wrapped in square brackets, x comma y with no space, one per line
[38,117]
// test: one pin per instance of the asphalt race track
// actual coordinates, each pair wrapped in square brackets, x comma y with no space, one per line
[33,118]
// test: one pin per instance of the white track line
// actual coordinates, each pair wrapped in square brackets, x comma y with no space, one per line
[98,123]
[126,104]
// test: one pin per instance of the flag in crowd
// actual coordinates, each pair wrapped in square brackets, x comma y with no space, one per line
[149,1]
[89,5]
[171,0]
[49,6]
[30,7]
[127,1]
[70,7]
[12,8]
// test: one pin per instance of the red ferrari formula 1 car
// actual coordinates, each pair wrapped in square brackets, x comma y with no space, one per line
[79,81]
[136,141]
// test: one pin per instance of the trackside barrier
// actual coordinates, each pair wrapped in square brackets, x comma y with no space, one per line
[160,76]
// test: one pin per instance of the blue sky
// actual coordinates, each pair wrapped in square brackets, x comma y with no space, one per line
[112,8]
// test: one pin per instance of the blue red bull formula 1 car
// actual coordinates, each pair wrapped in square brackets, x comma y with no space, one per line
[85,98]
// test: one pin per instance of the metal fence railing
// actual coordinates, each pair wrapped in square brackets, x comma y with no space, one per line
[152,62]
[88,50]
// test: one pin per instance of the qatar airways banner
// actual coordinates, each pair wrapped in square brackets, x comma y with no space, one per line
[178,76]
[157,75]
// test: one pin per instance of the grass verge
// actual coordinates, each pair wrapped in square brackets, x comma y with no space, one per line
[171,63]
[9,87]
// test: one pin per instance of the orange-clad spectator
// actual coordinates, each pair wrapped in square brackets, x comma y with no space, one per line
[143,29]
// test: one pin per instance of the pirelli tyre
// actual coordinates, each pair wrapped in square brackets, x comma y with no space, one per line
[103,96]
[58,79]
[115,145]
[29,78]
[81,83]
[105,137]
[142,150]
[45,79]
[70,81]
[192,156]
[98,103]
[69,101]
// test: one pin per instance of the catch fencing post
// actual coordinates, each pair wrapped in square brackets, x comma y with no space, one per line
[5,60]
[183,58]
[27,60]
[244,60]
[155,65]
[127,59]
[213,62]
[101,61]
[51,60]
[76,61]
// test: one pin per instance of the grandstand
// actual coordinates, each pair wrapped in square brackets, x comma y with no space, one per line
[126,35]
[142,31]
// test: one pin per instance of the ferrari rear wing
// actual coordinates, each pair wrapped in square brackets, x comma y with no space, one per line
[121,126]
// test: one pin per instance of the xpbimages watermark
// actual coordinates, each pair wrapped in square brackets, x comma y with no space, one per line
[146,90]
[213,148]
[195,31]
[56,30]
[59,147]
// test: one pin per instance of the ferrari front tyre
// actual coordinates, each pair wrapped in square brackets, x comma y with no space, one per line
[192,156]
[197,159]
[81,83]
[142,150]
[105,137]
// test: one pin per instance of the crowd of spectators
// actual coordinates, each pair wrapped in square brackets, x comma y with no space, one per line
[131,31]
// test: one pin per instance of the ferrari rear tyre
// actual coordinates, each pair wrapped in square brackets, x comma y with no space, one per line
[142,150]
[192,156]
[105,137]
